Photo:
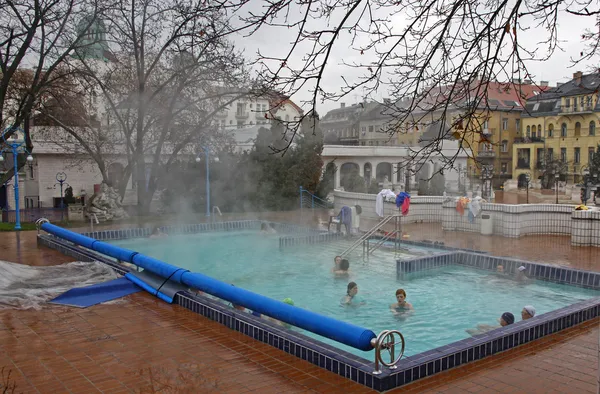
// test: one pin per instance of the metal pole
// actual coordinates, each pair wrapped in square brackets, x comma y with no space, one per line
[301,205]
[557,191]
[62,200]
[16,187]
[527,192]
[207,183]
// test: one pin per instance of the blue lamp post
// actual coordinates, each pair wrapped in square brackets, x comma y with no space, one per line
[206,155]
[15,145]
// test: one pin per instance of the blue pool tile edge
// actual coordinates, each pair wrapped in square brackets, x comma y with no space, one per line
[411,368]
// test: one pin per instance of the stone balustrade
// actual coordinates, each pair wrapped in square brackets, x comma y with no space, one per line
[511,221]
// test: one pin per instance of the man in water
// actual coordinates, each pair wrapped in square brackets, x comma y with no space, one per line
[520,275]
[506,319]
[401,305]
[528,312]
[343,269]
[500,269]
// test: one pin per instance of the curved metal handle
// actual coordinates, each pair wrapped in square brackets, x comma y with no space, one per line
[385,341]
[39,222]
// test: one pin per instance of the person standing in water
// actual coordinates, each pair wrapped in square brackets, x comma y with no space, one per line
[343,269]
[351,292]
[337,260]
[401,305]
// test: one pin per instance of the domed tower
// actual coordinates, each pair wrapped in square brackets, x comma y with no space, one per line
[92,40]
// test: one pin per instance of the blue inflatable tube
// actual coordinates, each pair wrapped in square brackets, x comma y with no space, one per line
[346,333]
[148,288]
[60,232]
[159,267]
[114,251]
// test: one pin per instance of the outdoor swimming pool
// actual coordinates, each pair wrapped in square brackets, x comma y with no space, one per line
[447,300]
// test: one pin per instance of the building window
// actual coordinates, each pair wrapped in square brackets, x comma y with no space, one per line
[528,131]
[567,103]
[590,154]
[504,124]
[370,142]
[504,168]
[577,155]
[563,155]
[577,129]
[31,173]
[540,131]
[592,130]
[504,146]
[550,130]
[362,143]
[550,154]
[563,130]
[370,129]
[518,125]
[533,131]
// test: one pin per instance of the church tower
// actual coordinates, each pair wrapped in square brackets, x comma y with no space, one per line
[92,40]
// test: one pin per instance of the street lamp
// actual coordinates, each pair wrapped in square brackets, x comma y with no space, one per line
[486,174]
[16,143]
[61,177]
[556,177]
[206,155]
[527,180]
[585,171]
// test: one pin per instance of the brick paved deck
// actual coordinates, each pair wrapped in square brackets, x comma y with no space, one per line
[144,345]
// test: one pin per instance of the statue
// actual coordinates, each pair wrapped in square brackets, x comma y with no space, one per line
[106,203]
[386,183]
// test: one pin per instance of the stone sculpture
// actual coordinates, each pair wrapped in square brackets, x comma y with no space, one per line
[105,204]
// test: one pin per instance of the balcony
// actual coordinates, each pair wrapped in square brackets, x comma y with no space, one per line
[577,109]
[242,115]
[486,154]
[488,131]
[528,140]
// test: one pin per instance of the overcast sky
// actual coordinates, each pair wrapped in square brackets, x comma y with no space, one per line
[277,41]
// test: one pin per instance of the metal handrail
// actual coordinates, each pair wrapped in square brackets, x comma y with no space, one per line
[216,209]
[314,200]
[396,234]
[367,234]
[385,341]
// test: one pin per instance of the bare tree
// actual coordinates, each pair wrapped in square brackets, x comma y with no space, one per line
[440,55]
[36,36]
[172,67]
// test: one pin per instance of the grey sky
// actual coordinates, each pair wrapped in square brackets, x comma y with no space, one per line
[277,41]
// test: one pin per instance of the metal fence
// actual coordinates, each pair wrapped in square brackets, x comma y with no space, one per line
[30,215]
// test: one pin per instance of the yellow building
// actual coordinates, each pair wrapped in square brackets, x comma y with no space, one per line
[488,134]
[560,122]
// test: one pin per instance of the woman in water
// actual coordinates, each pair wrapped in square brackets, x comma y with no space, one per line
[401,305]
[337,260]
[351,292]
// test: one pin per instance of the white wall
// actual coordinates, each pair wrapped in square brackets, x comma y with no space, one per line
[511,221]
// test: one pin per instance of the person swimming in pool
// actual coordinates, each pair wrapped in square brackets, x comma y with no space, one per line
[401,305]
[350,297]
[337,260]
[506,319]
[343,269]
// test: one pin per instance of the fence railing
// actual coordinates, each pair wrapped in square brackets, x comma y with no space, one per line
[30,215]
[310,201]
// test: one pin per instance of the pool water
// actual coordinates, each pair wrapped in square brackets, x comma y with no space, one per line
[446,301]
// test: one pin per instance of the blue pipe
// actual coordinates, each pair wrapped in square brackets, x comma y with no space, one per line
[346,333]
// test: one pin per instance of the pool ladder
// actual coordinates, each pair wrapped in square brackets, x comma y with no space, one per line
[364,239]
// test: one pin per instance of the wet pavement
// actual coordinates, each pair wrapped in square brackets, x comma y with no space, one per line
[142,345]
